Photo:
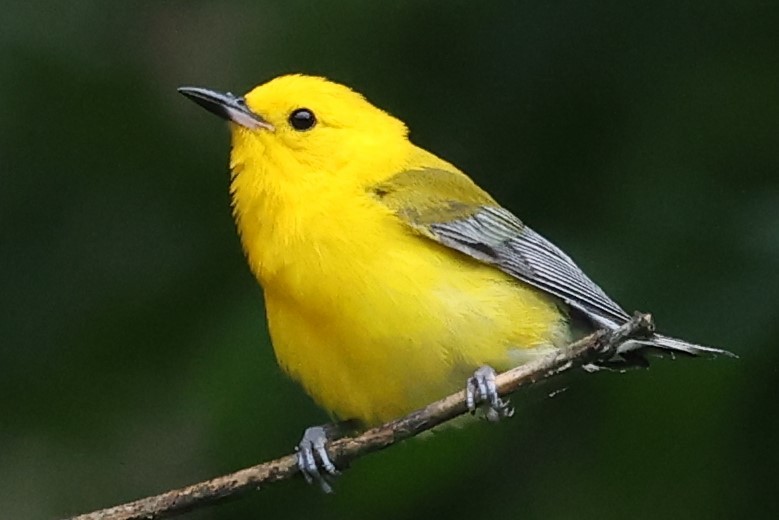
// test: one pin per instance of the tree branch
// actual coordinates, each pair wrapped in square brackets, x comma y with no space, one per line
[598,346]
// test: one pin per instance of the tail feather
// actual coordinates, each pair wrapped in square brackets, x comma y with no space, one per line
[632,353]
[665,345]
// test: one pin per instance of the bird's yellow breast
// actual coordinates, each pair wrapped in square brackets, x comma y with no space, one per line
[372,319]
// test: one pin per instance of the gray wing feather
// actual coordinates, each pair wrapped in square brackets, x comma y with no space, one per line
[496,236]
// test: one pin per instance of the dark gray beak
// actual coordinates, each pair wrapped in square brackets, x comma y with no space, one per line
[226,106]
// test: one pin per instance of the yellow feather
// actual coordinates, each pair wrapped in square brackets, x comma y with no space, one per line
[371,317]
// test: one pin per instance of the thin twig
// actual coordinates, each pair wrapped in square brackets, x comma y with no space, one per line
[600,345]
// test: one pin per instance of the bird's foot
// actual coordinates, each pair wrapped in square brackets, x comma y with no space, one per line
[313,461]
[482,390]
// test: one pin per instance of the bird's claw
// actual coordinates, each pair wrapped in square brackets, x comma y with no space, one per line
[313,461]
[481,389]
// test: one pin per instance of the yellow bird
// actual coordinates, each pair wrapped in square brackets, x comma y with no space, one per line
[389,276]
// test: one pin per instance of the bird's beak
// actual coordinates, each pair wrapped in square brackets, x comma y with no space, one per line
[226,106]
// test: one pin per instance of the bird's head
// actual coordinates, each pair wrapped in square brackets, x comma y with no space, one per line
[307,129]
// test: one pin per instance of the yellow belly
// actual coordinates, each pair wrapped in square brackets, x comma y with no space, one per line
[375,339]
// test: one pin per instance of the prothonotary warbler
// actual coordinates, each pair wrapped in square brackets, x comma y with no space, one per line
[390,278]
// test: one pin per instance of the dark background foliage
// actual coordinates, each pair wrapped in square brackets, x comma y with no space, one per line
[639,136]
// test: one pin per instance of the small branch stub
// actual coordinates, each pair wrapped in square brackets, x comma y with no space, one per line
[598,346]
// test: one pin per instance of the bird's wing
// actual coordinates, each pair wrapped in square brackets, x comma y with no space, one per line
[446,206]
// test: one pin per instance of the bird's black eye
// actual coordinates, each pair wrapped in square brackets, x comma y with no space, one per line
[302,119]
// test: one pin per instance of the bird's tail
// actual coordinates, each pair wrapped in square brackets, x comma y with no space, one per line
[659,344]
[671,345]
[632,353]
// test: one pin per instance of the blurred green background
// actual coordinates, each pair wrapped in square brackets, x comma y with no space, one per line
[642,137]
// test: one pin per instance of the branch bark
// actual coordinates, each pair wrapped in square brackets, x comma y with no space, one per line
[598,346]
